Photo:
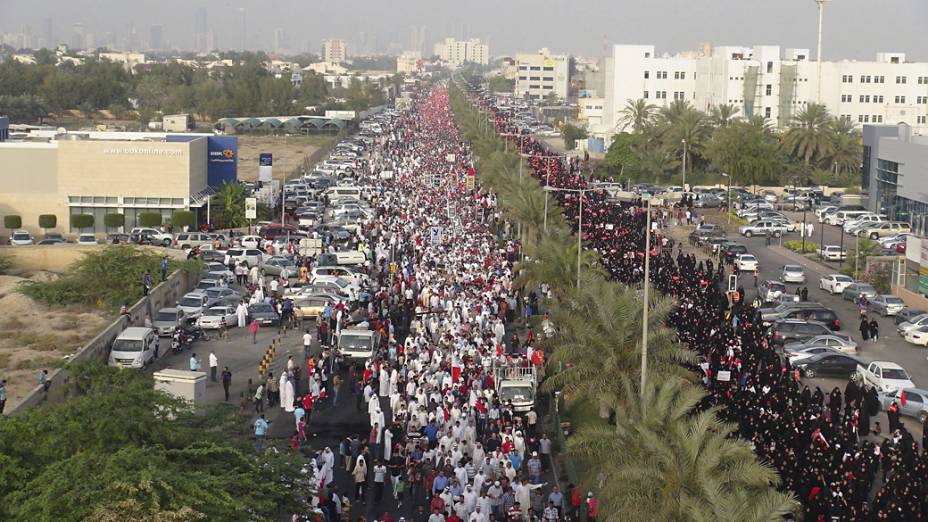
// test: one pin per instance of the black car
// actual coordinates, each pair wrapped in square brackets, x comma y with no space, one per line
[792,330]
[734,250]
[907,314]
[265,314]
[833,364]
[51,241]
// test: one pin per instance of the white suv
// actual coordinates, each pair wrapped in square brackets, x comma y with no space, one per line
[157,235]
[835,283]
[21,238]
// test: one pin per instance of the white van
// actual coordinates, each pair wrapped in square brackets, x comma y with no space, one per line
[358,344]
[343,191]
[135,347]
[348,257]
[839,217]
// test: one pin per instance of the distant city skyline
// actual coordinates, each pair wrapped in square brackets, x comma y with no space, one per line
[854,29]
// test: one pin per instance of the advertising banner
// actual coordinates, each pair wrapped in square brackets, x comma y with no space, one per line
[265,167]
[221,156]
[251,208]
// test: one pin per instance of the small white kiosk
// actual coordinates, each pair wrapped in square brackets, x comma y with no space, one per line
[185,384]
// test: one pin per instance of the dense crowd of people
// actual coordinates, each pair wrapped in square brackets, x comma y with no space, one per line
[443,443]
[822,444]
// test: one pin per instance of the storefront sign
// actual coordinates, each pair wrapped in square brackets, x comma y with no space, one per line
[140,151]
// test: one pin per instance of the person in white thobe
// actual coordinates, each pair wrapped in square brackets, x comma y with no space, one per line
[242,312]
[286,393]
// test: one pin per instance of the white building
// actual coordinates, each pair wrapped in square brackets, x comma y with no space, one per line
[542,74]
[765,81]
[459,52]
[408,62]
[334,51]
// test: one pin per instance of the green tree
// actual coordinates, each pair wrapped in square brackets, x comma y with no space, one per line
[114,220]
[723,115]
[845,152]
[666,460]
[184,218]
[47,221]
[229,206]
[808,137]
[138,454]
[572,133]
[623,155]
[150,219]
[12,222]
[747,153]
[657,161]
[82,221]
[637,114]
[501,84]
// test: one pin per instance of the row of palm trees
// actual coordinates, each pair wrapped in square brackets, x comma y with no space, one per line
[668,461]
[816,147]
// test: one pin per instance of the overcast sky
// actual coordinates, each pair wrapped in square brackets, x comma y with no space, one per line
[854,29]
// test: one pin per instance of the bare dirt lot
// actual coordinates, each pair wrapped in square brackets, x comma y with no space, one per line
[288,153]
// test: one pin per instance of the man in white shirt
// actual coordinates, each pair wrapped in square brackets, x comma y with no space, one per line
[307,343]
[213,365]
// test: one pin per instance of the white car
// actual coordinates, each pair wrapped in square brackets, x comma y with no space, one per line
[86,239]
[794,357]
[916,322]
[156,235]
[339,283]
[835,283]
[792,274]
[250,241]
[21,238]
[832,253]
[746,263]
[855,224]
[210,319]
[917,336]
[193,305]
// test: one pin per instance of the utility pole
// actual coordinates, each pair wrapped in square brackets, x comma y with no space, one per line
[818,55]
[684,165]
[644,313]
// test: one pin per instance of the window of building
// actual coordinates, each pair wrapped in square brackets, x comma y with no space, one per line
[769,90]
[882,79]
[661,75]
[877,98]
[548,69]
[678,95]
[860,118]
[769,67]
[523,67]
[661,95]
[878,118]
[766,112]
[547,87]
[900,99]
[845,98]
[866,118]
[523,78]
[923,80]
[646,95]
[846,117]
[647,74]
[920,120]
[534,86]
[921,100]
[900,79]
[535,78]
[847,78]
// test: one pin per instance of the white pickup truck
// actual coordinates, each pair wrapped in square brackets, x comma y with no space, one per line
[517,384]
[884,376]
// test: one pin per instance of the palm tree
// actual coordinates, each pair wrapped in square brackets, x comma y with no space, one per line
[845,150]
[723,115]
[657,161]
[599,342]
[665,461]
[808,137]
[553,260]
[637,114]
[675,111]
[229,206]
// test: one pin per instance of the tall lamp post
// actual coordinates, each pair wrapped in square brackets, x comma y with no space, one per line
[729,197]
[684,164]
[579,223]
[545,157]
[644,313]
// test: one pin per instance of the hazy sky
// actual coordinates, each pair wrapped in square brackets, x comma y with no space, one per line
[854,29]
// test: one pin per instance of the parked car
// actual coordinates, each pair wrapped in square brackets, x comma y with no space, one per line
[792,274]
[264,313]
[219,296]
[835,283]
[211,318]
[769,291]
[193,304]
[912,402]
[853,291]
[917,336]
[887,228]
[86,239]
[166,320]
[311,306]
[135,347]
[253,242]
[831,364]
[763,228]
[838,341]
[707,201]
[746,263]
[886,304]
[249,256]
[919,320]
[796,355]
[733,250]
[188,240]
[832,253]
[21,238]
[154,235]
[793,330]
[52,242]
[277,264]
[205,284]
[884,376]
[907,314]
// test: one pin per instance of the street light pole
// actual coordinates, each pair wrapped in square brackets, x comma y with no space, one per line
[644,316]
[729,196]
[684,165]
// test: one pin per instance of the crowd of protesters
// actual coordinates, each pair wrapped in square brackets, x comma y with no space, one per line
[839,465]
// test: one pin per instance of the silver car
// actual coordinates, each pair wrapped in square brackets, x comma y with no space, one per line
[277,264]
[167,320]
[915,322]
[914,405]
[838,341]
[792,274]
[886,305]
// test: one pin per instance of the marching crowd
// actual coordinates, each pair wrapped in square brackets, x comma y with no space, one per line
[822,443]
[442,444]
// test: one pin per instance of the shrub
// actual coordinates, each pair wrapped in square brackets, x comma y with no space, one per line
[184,218]
[47,221]
[150,219]
[5,264]
[104,278]
[12,222]
[82,221]
[114,220]
[796,246]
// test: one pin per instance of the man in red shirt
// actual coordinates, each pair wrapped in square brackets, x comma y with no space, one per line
[591,511]
[576,498]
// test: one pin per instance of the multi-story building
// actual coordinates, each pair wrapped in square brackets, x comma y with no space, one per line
[764,81]
[459,52]
[334,51]
[542,74]
[893,172]
[408,62]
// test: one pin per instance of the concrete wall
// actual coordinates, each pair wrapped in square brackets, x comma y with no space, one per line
[97,349]
[140,169]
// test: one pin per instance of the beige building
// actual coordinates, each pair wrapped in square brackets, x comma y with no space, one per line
[459,52]
[542,74]
[334,51]
[93,175]
[408,62]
